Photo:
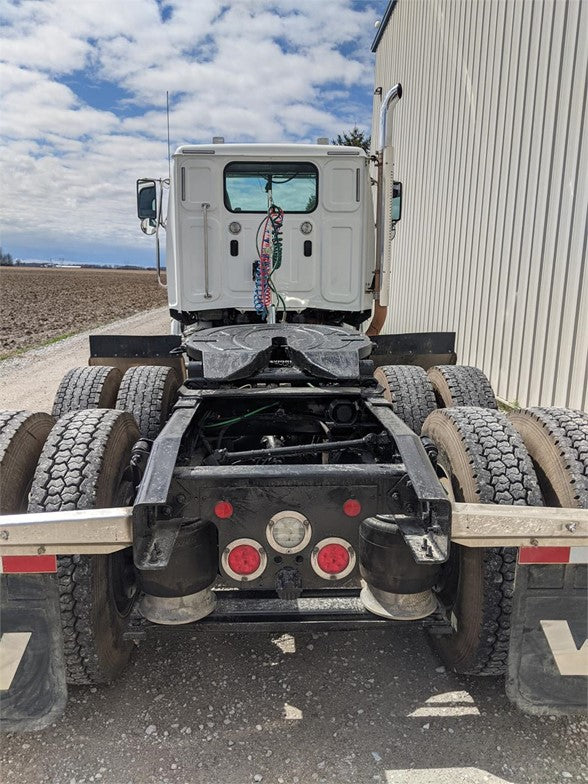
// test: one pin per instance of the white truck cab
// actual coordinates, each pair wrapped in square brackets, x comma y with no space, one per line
[218,201]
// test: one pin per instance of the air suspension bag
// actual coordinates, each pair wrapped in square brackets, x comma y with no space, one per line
[396,586]
[386,562]
[181,592]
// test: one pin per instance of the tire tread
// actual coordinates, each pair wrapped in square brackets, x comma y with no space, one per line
[567,429]
[504,475]
[146,392]
[410,391]
[22,436]
[66,479]
[83,387]
[10,424]
[466,386]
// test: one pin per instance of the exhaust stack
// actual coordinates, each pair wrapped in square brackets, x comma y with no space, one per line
[385,163]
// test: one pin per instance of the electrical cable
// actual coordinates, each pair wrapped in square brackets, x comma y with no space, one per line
[233,420]
[283,182]
[270,260]
[276,216]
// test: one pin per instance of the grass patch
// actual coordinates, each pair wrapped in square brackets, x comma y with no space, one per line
[507,405]
[19,351]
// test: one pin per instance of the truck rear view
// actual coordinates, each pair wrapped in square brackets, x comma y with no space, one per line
[270,464]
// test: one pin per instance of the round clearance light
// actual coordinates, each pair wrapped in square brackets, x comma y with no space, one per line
[288,532]
[235,227]
[223,509]
[351,507]
[244,559]
[306,227]
[333,558]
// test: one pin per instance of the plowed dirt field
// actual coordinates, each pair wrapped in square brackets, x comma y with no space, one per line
[38,305]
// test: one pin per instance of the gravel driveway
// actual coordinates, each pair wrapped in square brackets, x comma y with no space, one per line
[30,380]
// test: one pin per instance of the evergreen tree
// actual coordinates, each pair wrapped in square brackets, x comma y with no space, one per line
[6,259]
[354,138]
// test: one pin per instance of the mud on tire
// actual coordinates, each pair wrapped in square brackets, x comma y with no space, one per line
[484,458]
[148,392]
[84,464]
[461,385]
[410,391]
[87,387]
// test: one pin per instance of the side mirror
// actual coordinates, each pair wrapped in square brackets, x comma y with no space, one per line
[396,209]
[148,226]
[147,199]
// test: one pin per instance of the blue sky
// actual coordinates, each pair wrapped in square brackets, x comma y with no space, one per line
[83,87]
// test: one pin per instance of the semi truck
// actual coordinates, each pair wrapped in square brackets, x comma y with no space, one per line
[276,463]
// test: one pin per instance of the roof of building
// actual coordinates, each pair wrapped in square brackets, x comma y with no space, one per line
[383,23]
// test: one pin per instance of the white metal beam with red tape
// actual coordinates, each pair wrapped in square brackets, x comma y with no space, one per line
[544,534]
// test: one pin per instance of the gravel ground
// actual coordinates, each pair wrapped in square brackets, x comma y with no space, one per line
[331,707]
[337,707]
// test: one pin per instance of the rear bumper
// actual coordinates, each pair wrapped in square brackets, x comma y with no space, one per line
[101,531]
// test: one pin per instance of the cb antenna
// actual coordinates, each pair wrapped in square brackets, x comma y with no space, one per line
[168,146]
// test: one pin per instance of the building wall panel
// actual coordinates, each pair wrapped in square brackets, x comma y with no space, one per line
[491,145]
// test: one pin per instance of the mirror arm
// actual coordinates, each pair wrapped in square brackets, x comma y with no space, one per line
[157,245]
[164,184]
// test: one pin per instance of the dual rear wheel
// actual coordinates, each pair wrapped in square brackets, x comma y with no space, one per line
[148,392]
[481,459]
[414,393]
[82,462]
[532,457]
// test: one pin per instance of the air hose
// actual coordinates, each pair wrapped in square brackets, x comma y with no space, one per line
[270,260]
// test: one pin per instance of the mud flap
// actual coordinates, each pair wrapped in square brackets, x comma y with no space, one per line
[548,656]
[33,691]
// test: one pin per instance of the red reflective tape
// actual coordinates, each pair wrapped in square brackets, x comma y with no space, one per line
[544,555]
[29,564]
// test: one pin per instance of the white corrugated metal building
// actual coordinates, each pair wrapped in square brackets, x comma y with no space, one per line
[491,144]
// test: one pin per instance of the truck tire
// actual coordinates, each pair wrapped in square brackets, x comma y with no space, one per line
[557,440]
[410,391]
[87,387]
[148,392]
[484,459]
[85,464]
[22,436]
[461,385]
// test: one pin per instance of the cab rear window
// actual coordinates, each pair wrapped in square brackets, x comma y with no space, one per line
[248,186]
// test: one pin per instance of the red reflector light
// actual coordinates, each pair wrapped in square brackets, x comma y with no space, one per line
[244,559]
[352,507]
[28,564]
[223,509]
[544,555]
[333,558]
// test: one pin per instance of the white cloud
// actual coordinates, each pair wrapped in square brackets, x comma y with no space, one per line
[83,95]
